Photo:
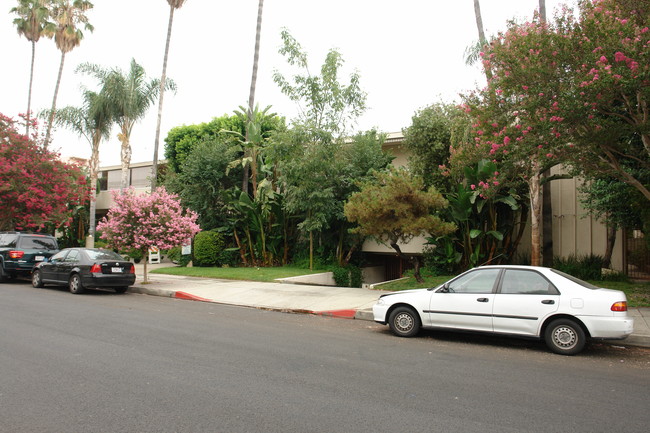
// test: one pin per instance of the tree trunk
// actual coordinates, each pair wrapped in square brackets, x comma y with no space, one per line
[145,256]
[53,109]
[535,217]
[479,22]
[413,259]
[542,10]
[609,249]
[125,155]
[256,56]
[29,94]
[163,80]
[311,250]
[547,221]
[94,169]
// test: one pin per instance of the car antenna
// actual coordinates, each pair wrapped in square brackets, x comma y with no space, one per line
[495,257]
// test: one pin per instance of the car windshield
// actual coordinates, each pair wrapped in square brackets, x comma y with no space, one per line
[576,280]
[8,240]
[103,255]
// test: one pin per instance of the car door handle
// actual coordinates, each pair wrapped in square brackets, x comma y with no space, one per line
[482,299]
[548,301]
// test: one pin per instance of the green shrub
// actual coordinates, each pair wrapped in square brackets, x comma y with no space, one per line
[348,276]
[185,260]
[230,257]
[587,267]
[174,254]
[208,246]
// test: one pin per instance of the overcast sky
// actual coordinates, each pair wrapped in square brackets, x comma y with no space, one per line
[409,54]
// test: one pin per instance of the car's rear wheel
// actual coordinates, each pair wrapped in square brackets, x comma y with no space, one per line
[74,284]
[404,322]
[37,279]
[120,289]
[565,336]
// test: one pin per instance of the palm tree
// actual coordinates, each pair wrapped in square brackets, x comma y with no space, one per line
[173,5]
[33,22]
[129,96]
[68,15]
[251,94]
[92,121]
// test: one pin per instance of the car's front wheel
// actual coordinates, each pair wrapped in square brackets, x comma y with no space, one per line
[404,322]
[37,279]
[74,284]
[565,336]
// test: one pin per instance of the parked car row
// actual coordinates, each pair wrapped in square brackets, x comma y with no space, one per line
[522,301]
[37,256]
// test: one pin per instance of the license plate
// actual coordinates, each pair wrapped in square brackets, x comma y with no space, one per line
[39,258]
[117,270]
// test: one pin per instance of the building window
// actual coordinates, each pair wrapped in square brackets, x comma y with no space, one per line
[114,179]
[141,177]
[102,180]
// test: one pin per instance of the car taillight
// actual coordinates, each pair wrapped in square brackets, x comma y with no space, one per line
[619,306]
[132,270]
[96,269]
[16,254]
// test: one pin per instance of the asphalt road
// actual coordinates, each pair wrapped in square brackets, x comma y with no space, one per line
[102,362]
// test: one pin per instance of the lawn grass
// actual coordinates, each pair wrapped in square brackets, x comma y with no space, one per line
[247,274]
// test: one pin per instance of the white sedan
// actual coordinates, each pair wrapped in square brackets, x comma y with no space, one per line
[524,301]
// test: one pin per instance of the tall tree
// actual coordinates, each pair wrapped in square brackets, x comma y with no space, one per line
[251,93]
[130,95]
[33,22]
[173,5]
[68,16]
[517,118]
[93,121]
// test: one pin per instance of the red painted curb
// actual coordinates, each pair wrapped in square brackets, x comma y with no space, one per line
[183,295]
[342,314]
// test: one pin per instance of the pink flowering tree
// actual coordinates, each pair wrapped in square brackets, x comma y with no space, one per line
[571,90]
[609,107]
[517,119]
[145,221]
[37,189]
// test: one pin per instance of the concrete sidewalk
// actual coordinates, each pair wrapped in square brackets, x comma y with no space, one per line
[344,302]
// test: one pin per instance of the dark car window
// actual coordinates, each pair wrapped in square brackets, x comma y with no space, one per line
[479,281]
[8,240]
[59,256]
[72,257]
[516,281]
[103,255]
[37,242]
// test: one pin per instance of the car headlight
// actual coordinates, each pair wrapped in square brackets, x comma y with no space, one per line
[381,301]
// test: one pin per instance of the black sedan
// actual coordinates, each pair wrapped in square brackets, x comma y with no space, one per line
[80,268]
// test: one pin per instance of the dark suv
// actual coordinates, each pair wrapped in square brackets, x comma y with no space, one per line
[19,252]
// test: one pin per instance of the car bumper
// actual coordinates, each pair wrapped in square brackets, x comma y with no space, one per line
[379,313]
[615,328]
[19,268]
[110,280]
